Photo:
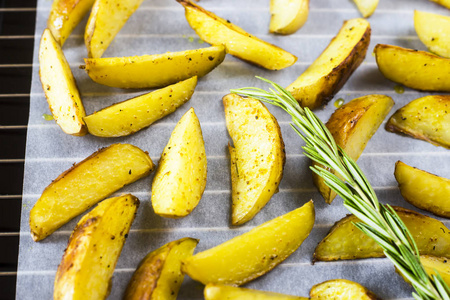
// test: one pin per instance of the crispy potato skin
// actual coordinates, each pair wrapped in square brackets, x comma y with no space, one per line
[426,118]
[424,190]
[254,253]
[345,241]
[154,71]
[433,30]
[225,292]
[331,70]
[93,250]
[217,31]
[288,16]
[352,126]
[418,70]
[341,289]
[257,158]
[86,183]
[366,7]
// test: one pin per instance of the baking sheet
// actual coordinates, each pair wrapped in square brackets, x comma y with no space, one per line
[159,26]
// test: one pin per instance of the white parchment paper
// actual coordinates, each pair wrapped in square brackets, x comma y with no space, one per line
[159,26]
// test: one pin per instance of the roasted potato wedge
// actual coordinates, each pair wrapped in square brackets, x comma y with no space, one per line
[418,70]
[86,183]
[434,31]
[154,71]
[180,179]
[341,289]
[253,253]
[225,292]
[445,3]
[345,241]
[433,264]
[288,16]
[217,31]
[426,118]
[366,7]
[60,87]
[158,276]
[424,190]
[132,115]
[352,125]
[330,71]
[65,16]
[93,250]
[105,21]
[257,158]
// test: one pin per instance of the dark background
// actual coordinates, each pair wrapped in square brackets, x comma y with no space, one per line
[17,24]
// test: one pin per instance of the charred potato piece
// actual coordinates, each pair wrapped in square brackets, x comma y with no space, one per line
[132,115]
[366,7]
[158,276]
[257,158]
[93,250]
[418,70]
[85,184]
[254,253]
[331,70]
[225,292]
[424,190]
[60,87]
[345,241]
[154,71]
[433,30]
[180,179]
[217,31]
[341,289]
[352,126]
[426,118]
[288,16]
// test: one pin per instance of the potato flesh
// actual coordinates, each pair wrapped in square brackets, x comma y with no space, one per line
[352,126]
[93,250]
[154,71]
[159,276]
[288,16]
[341,289]
[426,118]
[225,292]
[59,86]
[132,115]
[180,179]
[217,31]
[418,70]
[105,21]
[424,190]
[366,7]
[86,183]
[65,16]
[434,31]
[329,72]
[257,159]
[254,253]
[345,241]
[432,264]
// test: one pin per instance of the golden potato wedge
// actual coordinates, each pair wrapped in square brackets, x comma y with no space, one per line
[345,241]
[217,31]
[253,253]
[445,3]
[93,250]
[105,21]
[352,126]
[330,71]
[180,179]
[424,190]
[60,87]
[288,16]
[366,7]
[154,71]
[225,292]
[86,183]
[432,264]
[65,16]
[418,70]
[426,118]
[341,289]
[158,276]
[257,158]
[132,115]
[434,31]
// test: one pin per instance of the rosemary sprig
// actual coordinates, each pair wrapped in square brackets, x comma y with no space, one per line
[379,222]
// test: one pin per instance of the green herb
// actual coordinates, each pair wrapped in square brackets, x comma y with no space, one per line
[379,222]
[47,117]
[399,89]
[339,102]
